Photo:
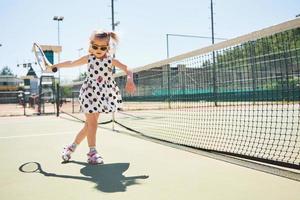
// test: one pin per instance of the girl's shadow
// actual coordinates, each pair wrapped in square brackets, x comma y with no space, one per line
[108,177]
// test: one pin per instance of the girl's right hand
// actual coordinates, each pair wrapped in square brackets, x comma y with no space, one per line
[130,87]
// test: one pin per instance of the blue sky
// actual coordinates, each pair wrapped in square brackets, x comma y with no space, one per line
[142,30]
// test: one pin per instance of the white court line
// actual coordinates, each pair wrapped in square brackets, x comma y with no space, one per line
[36,135]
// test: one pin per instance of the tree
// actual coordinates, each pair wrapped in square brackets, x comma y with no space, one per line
[6,71]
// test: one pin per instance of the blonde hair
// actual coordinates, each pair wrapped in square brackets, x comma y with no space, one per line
[110,36]
[100,34]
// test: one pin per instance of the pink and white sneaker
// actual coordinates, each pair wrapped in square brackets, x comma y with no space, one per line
[94,158]
[66,154]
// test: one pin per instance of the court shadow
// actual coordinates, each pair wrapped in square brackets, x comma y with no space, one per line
[107,177]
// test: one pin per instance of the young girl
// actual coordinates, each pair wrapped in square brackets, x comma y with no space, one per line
[99,92]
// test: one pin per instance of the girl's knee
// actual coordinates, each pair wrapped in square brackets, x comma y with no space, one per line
[91,123]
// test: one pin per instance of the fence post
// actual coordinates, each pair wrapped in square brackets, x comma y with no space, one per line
[57,99]
[182,79]
[166,80]
[24,102]
[72,102]
[253,70]
[215,88]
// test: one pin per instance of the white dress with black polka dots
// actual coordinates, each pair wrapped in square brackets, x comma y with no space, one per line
[99,92]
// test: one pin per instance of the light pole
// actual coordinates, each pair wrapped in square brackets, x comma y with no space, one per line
[58,19]
[113,23]
[190,36]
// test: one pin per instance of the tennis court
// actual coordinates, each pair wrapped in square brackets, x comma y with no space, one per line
[134,168]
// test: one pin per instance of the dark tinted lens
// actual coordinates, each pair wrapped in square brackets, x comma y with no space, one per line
[94,47]
[103,48]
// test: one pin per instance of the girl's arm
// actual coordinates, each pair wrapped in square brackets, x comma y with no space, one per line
[81,61]
[120,65]
[130,86]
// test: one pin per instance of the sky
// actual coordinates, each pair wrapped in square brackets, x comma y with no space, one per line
[142,29]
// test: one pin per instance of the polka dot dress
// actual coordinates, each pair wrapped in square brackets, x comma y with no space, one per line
[99,92]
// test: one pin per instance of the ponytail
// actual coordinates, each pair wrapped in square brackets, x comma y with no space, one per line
[114,37]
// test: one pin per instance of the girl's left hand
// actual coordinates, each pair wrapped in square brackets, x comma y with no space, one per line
[130,87]
[49,69]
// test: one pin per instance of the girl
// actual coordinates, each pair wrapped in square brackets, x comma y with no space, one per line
[99,92]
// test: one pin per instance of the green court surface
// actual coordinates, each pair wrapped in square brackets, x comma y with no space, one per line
[134,168]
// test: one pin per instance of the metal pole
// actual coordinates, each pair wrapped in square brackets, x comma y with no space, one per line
[112,15]
[58,19]
[58,56]
[169,92]
[24,102]
[212,22]
[253,69]
[58,39]
[57,99]
[214,62]
[167,45]
[114,69]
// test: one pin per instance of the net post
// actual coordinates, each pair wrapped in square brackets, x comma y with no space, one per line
[57,99]
[113,121]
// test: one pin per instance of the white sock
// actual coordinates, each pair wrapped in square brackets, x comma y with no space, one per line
[92,149]
[74,145]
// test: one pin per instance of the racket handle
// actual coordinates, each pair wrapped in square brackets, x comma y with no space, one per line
[54,69]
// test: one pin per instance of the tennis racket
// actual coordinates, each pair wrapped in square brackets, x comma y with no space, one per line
[41,58]
[30,167]
[34,167]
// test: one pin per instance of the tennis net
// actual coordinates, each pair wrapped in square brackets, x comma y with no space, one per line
[239,97]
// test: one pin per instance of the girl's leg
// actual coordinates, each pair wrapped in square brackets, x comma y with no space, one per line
[92,124]
[81,135]
[84,131]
